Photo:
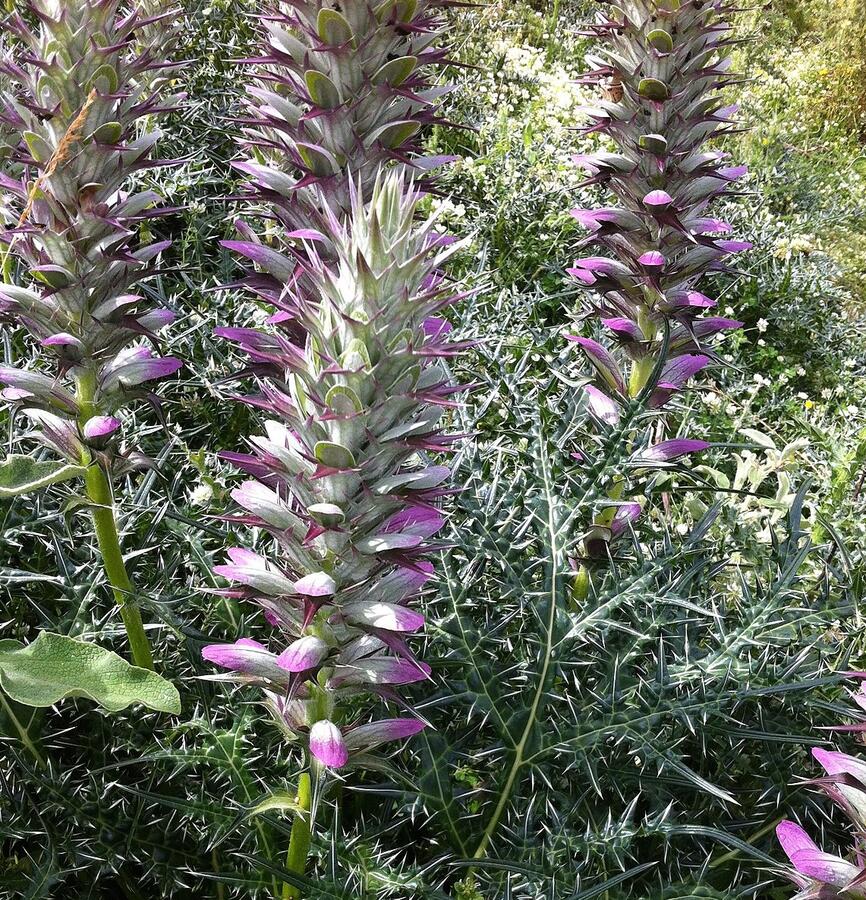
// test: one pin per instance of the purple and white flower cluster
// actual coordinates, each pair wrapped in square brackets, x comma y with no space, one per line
[80,88]
[349,374]
[660,66]
[822,875]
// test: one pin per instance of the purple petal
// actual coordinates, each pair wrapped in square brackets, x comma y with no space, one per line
[436,327]
[390,616]
[256,572]
[658,199]
[601,405]
[678,371]
[380,670]
[317,584]
[652,259]
[100,427]
[307,234]
[624,328]
[601,264]
[836,763]
[281,267]
[734,246]
[63,339]
[793,838]
[710,226]
[135,369]
[604,363]
[625,514]
[365,737]
[245,655]
[420,520]
[58,432]
[157,319]
[303,654]
[825,867]
[261,501]
[670,450]
[327,744]
[23,384]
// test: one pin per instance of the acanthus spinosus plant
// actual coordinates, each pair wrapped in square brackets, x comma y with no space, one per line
[341,481]
[350,377]
[818,874]
[81,85]
[661,65]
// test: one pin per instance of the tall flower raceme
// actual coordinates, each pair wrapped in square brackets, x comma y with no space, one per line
[661,64]
[340,91]
[341,481]
[83,85]
[821,875]
[350,374]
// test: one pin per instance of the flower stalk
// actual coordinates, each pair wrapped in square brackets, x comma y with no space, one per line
[80,88]
[299,841]
[820,875]
[349,377]
[659,66]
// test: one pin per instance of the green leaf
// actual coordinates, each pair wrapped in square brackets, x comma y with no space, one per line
[56,666]
[394,134]
[54,276]
[322,90]
[660,40]
[654,143]
[279,801]
[108,133]
[104,79]
[39,148]
[333,27]
[22,474]
[395,71]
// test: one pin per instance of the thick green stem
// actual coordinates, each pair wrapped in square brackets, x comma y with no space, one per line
[105,524]
[299,842]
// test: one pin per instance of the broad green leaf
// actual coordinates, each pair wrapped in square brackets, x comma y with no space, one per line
[55,666]
[22,474]
[333,27]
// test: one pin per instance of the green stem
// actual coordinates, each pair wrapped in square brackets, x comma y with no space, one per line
[299,842]
[23,733]
[538,698]
[105,524]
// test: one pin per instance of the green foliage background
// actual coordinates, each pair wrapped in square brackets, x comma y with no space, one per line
[642,745]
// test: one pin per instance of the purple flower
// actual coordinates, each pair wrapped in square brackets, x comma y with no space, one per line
[304,654]
[822,874]
[656,245]
[328,745]
[368,737]
[98,429]
[667,451]
[809,860]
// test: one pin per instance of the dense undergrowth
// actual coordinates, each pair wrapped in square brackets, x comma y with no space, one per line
[636,742]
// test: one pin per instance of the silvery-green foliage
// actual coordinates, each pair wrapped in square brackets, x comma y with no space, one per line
[643,729]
